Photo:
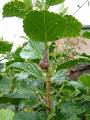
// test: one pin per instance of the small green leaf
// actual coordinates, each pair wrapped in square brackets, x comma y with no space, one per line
[85,80]
[6,114]
[54,2]
[31,68]
[5,47]
[28,4]
[43,25]
[86,35]
[72,63]
[58,77]
[52,47]
[14,8]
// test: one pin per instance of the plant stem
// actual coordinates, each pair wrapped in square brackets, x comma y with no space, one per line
[48,81]
[48,90]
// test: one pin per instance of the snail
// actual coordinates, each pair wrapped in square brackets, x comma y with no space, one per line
[44,61]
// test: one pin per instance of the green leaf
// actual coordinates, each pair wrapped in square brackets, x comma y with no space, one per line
[72,108]
[5,85]
[68,91]
[10,100]
[14,8]
[52,47]
[24,92]
[5,47]
[30,116]
[85,80]
[43,25]
[86,97]
[22,75]
[28,4]
[73,117]
[6,114]
[73,27]
[46,26]
[58,77]
[72,63]
[86,35]
[77,85]
[26,89]
[16,57]
[31,68]
[33,50]
[54,2]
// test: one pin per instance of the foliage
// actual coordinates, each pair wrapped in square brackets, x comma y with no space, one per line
[85,79]
[30,116]
[6,114]
[28,67]
[54,2]
[72,63]
[14,8]
[33,81]
[5,47]
[44,22]
[86,35]
[72,28]
[28,4]
[33,50]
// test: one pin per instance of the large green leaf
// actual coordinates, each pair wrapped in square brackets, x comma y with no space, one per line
[54,2]
[73,27]
[14,8]
[33,50]
[6,114]
[43,25]
[5,47]
[85,79]
[31,68]
[72,63]
[47,26]
[30,116]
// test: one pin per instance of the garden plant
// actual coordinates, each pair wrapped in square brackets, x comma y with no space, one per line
[34,81]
